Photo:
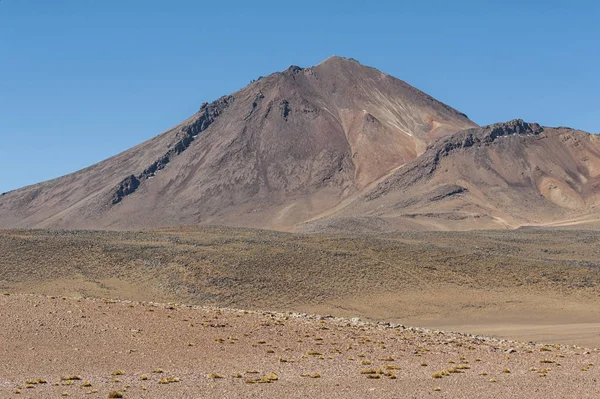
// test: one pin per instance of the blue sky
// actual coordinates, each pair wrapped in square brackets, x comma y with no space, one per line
[81,80]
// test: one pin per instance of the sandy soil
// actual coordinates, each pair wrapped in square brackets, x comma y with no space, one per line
[115,346]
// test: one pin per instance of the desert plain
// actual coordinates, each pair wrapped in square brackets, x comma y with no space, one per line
[195,312]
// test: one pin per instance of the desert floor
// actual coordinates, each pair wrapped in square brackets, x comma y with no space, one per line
[56,347]
[528,285]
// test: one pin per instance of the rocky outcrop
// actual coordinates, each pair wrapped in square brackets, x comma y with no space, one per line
[477,136]
[126,187]
[426,164]
[206,116]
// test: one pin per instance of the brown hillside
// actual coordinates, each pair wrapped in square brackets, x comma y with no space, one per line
[278,152]
[499,176]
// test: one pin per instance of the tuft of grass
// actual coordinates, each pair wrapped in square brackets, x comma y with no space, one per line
[144,377]
[214,375]
[118,372]
[437,389]
[366,363]
[70,378]
[506,371]
[368,371]
[168,380]
[439,374]
[86,384]
[115,394]
[314,353]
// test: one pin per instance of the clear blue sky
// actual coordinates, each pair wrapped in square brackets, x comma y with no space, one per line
[81,80]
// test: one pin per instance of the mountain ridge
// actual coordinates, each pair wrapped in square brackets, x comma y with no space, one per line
[302,144]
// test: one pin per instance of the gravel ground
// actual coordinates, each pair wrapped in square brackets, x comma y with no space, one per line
[119,346]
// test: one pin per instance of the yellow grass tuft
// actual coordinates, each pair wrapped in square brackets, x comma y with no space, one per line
[168,380]
[368,371]
[70,378]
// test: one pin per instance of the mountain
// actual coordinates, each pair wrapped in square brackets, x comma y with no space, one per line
[335,147]
[505,175]
[286,148]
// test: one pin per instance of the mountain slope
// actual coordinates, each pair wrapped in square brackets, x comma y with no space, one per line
[504,175]
[280,151]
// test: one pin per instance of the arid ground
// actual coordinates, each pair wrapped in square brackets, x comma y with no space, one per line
[90,348]
[514,286]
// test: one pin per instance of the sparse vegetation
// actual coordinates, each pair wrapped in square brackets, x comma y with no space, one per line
[70,378]
[168,380]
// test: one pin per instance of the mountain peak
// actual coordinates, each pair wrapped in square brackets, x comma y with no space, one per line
[338,60]
[274,154]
